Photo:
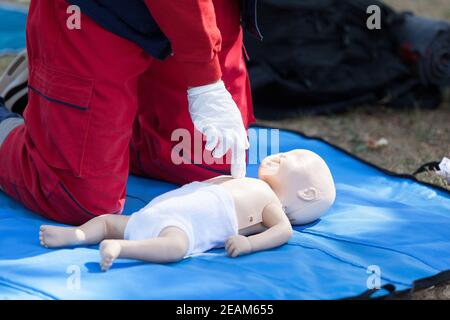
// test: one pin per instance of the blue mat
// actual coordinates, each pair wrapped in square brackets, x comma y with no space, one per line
[12,28]
[395,224]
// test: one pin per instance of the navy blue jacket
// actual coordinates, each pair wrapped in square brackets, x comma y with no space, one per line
[132,20]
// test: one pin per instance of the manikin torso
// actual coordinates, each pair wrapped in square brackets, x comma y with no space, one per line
[250,197]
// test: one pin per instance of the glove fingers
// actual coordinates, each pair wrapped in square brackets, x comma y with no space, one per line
[243,138]
[246,142]
[217,152]
[211,143]
[238,163]
[212,139]
[238,171]
[224,145]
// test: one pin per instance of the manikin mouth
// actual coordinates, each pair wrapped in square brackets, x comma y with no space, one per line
[270,165]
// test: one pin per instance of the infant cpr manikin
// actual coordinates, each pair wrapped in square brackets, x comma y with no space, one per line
[242,215]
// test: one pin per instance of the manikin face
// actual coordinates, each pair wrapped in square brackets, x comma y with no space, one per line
[302,182]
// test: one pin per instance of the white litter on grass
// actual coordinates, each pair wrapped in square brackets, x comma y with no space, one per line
[444,169]
[377,144]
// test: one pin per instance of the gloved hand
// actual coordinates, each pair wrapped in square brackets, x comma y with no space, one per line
[216,115]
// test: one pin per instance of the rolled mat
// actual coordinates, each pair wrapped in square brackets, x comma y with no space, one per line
[426,43]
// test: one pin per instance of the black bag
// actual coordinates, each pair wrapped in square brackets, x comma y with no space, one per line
[319,56]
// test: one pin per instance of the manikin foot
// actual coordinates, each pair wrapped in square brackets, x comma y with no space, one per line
[55,237]
[109,251]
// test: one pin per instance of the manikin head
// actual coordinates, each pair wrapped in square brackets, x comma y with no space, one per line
[303,183]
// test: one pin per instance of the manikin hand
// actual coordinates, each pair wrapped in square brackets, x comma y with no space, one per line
[237,246]
[216,115]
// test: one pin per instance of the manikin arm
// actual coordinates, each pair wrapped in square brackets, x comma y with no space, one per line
[278,233]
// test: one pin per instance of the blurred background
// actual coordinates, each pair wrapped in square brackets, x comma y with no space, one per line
[398,137]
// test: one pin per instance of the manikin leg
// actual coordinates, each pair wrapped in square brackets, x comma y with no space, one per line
[92,232]
[170,246]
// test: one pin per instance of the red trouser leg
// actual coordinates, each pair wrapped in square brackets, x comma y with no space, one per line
[70,161]
[163,107]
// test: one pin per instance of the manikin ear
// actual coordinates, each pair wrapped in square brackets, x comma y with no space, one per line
[308,194]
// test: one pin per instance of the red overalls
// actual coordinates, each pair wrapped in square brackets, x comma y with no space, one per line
[98,103]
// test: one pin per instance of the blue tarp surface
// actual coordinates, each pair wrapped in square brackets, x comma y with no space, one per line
[395,226]
[392,225]
[12,28]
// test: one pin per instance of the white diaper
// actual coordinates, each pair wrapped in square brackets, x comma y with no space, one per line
[204,211]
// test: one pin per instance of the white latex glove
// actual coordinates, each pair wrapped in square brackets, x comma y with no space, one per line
[216,115]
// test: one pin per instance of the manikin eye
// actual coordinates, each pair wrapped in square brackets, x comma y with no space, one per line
[273,162]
